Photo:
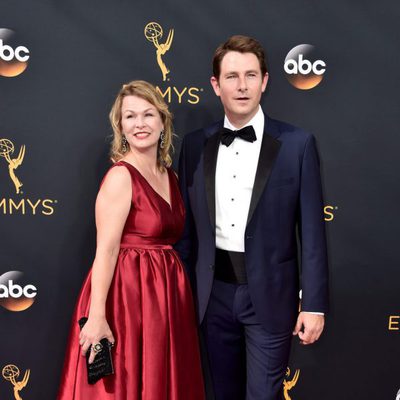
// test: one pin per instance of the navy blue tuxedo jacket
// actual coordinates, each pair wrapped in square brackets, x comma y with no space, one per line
[286,198]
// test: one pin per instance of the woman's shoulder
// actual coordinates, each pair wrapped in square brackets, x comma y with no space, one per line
[117,177]
[116,188]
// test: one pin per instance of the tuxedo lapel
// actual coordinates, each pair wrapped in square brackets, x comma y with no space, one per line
[268,153]
[210,164]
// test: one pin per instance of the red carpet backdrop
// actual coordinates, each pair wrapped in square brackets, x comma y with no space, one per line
[333,70]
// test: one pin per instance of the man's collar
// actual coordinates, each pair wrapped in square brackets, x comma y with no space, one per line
[257,122]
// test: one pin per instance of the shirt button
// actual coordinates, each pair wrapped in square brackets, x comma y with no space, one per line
[232,199]
[233,225]
[237,153]
[234,176]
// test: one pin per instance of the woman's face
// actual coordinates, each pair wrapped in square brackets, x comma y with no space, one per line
[141,123]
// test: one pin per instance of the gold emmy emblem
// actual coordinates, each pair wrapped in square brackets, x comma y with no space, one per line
[289,385]
[153,33]
[11,373]
[7,149]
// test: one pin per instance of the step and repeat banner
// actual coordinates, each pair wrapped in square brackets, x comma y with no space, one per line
[334,71]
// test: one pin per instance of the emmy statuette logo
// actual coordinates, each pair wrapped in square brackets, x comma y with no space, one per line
[154,32]
[290,384]
[19,204]
[11,373]
[398,395]
[6,151]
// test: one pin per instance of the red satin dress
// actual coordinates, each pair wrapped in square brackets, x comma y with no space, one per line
[149,309]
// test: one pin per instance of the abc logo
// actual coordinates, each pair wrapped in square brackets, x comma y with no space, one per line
[15,293]
[13,57]
[303,68]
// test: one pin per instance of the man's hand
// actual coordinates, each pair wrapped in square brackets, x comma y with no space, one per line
[309,327]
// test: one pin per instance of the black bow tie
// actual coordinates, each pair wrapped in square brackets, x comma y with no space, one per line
[247,133]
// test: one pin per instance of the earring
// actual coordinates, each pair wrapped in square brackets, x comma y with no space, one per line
[162,139]
[124,144]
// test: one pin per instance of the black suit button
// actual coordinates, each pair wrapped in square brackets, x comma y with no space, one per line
[212,267]
[249,237]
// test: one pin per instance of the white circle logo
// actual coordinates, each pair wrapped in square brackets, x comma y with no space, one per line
[13,56]
[15,293]
[303,67]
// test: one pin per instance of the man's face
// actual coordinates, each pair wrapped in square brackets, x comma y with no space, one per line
[240,86]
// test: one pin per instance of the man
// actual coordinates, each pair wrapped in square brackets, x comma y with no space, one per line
[249,182]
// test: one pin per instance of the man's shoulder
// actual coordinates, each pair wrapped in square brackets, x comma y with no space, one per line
[287,131]
[200,135]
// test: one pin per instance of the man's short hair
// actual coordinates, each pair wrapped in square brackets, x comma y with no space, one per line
[241,44]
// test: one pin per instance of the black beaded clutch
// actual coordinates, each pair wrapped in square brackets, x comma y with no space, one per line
[102,364]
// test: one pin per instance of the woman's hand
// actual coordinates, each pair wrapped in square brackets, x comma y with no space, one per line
[95,329]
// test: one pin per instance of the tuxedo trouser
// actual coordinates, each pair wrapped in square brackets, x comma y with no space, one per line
[245,361]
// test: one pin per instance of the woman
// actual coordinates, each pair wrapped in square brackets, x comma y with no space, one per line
[137,294]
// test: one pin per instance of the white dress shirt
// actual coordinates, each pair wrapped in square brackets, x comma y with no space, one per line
[234,180]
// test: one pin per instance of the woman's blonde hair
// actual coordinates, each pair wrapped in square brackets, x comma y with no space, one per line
[148,92]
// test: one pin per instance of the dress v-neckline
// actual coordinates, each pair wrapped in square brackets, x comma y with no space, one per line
[169,204]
